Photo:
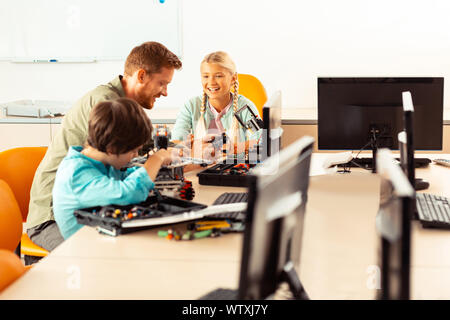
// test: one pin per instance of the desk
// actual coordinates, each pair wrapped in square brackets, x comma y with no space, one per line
[339,248]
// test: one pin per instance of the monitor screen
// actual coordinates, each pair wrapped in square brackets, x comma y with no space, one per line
[402,144]
[406,144]
[277,198]
[272,131]
[394,228]
[406,138]
[353,110]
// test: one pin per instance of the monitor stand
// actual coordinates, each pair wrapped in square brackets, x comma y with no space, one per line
[290,276]
[366,163]
[421,184]
[370,163]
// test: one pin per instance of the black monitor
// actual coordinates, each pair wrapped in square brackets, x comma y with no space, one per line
[406,143]
[393,224]
[272,131]
[366,113]
[277,198]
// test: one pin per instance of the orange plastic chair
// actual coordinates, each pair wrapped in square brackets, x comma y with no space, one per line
[17,168]
[11,268]
[10,219]
[251,88]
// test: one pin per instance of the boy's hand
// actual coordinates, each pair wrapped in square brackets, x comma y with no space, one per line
[158,159]
[168,156]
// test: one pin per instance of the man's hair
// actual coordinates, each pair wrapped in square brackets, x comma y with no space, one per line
[118,126]
[150,56]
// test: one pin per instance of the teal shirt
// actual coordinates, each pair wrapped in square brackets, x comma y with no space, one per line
[189,116]
[73,132]
[82,182]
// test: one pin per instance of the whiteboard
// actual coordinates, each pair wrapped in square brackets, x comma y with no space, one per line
[86,30]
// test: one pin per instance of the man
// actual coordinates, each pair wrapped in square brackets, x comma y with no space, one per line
[149,68]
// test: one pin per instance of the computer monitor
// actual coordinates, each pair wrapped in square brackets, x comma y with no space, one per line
[366,113]
[272,131]
[277,198]
[406,143]
[393,224]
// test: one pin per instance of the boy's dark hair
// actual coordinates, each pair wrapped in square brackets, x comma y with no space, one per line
[151,56]
[118,126]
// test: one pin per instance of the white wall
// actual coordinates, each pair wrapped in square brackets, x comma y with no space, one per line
[287,44]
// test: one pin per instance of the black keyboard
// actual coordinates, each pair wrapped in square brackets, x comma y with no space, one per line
[367,163]
[433,211]
[221,294]
[231,197]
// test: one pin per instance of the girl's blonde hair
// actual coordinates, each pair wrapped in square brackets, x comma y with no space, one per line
[222,59]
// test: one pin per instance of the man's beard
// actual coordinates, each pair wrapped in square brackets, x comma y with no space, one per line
[144,102]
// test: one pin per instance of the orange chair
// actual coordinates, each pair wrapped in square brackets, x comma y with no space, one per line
[10,219]
[11,268]
[17,168]
[251,88]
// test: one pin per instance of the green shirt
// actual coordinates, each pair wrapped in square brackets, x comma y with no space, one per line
[74,130]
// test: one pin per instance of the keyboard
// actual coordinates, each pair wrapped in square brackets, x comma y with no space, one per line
[433,210]
[442,162]
[230,197]
[367,163]
[220,294]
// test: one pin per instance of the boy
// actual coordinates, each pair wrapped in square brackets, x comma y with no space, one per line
[91,176]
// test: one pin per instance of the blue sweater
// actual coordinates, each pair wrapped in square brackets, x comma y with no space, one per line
[82,182]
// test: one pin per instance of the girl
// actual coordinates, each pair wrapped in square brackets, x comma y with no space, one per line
[213,112]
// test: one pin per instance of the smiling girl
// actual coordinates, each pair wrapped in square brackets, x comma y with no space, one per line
[213,111]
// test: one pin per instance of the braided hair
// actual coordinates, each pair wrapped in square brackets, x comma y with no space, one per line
[234,134]
[200,130]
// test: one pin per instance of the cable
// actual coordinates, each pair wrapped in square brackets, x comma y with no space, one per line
[354,162]
[381,135]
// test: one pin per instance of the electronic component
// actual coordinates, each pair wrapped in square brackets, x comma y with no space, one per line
[219,141]
[254,124]
[224,174]
[156,210]
[170,180]
[161,136]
